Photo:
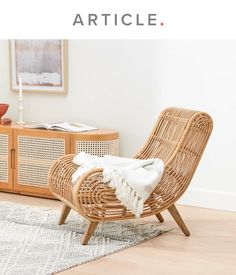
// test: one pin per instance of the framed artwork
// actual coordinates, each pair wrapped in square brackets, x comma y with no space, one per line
[41,65]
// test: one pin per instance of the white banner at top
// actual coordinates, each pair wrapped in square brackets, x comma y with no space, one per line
[123,19]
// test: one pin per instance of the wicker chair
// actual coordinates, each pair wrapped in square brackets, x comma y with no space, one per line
[178,138]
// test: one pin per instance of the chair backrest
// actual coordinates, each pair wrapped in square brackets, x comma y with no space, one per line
[179,139]
[177,128]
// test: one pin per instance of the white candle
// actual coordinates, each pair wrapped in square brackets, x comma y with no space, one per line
[20,87]
[20,100]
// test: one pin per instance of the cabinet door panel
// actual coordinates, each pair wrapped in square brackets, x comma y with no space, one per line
[36,150]
[6,180]
[99,143]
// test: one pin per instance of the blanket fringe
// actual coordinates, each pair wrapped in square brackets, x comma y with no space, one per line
[125,193]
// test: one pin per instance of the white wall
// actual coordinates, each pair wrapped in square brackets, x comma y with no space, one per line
[112,84]
[201,74]
[124,84]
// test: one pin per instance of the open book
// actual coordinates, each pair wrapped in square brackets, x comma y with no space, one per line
[62,126]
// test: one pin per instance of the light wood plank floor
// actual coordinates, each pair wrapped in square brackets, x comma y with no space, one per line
[210,250]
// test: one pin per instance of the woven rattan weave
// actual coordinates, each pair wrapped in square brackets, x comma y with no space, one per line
[3,158]
[178,138]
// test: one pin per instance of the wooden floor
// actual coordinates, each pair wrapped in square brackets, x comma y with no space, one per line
[211,248]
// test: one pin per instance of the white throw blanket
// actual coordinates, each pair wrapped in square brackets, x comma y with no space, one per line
[133,179]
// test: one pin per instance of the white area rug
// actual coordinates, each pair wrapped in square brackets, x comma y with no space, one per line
[32,243]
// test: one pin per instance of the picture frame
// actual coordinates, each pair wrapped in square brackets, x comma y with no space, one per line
[41,65]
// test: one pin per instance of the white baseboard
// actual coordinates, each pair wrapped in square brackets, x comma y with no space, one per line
[209,199]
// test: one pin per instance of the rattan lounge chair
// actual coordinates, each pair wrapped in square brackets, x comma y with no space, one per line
[178,138]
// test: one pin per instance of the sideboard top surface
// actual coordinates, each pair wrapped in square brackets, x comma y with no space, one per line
[98,134]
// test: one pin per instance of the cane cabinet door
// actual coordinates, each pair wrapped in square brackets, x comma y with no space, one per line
[6,161]
[35,151]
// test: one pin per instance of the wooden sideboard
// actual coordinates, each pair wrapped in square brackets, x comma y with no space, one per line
[27,154]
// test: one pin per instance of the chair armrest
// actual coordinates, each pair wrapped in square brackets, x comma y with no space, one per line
[59,178]
[95,200]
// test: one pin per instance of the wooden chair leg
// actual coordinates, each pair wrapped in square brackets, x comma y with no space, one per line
[89,232]
[160,218]
[176,216]
[64,214]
